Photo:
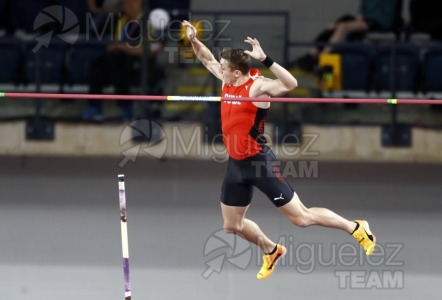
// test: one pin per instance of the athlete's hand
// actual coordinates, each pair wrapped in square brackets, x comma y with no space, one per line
[257,52]
[190,30]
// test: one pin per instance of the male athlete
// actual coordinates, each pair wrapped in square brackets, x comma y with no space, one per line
[251,162]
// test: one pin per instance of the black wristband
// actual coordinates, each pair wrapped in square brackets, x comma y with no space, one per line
[268,61]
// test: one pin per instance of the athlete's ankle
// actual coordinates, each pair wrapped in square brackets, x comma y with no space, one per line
[355,228]
[272,251]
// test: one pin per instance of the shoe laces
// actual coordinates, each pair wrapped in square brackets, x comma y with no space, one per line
[268,260]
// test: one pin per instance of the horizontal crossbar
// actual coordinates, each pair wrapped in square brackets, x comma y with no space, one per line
[217,98]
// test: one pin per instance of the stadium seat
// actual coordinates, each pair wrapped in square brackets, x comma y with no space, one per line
[431,68]
[405,70]
[356,60]
[6,27]
[424,20]
[2,5]
[24,12]
[51,61]
[10,58]
[80,10]
[79,59]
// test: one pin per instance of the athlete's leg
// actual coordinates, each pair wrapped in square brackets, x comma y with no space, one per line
[302,216]
[282,195]
[277,189]
[235,222]
[236,195]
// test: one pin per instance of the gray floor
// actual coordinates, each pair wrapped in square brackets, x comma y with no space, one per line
[60,233]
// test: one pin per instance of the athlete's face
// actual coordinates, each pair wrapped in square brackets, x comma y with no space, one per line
[229,76]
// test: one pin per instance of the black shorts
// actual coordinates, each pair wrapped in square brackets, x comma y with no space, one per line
[261,171]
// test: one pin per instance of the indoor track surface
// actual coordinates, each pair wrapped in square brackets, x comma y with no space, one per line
[60,233]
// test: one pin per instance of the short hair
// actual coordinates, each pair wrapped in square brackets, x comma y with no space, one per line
[238,60]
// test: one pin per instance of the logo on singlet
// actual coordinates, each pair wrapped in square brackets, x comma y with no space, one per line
[232,102]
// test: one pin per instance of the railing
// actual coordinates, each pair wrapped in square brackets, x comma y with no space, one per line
[217,16]
[218,28]
[405,63]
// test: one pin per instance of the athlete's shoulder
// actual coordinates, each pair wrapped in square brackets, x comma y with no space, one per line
[257,84]
[255,74]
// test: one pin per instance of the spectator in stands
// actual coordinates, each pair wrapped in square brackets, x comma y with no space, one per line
[104,6]
[426,17]
[102,10]
[120,65]
[373,15]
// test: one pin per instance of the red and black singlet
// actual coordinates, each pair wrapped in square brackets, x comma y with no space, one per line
[242,122]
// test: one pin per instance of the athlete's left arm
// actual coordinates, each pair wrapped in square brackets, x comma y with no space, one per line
[284,82]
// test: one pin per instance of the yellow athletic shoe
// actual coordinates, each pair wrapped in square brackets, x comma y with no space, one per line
[364,237]
[269,262]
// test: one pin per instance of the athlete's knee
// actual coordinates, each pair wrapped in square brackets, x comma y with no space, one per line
[228,229]
[303,219]
[302,222]
[232,227]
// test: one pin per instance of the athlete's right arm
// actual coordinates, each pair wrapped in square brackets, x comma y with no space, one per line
[202,52]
